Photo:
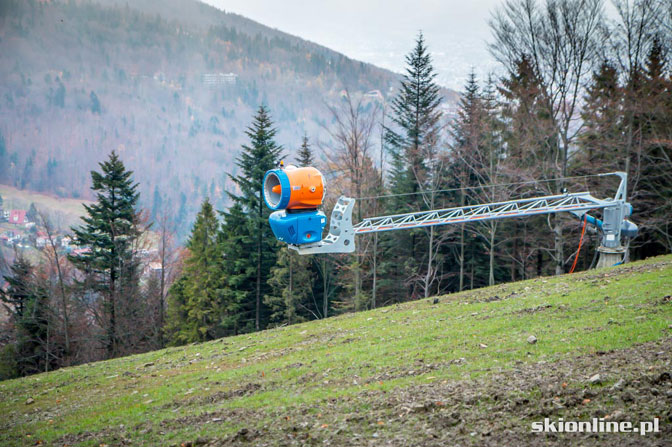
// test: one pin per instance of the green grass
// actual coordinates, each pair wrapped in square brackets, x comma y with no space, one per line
[303,366]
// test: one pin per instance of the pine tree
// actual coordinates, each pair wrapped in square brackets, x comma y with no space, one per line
[35,351]
[651,162]
[466,129]
[3,158]
[195,298]
[292,279]
[237,241]
[27,303]
[31,215]
[95,103]
[27,171]
[19,284]
[305,156]
[177,312]
[157,204]
[109,233]
[416,114]
[602,143]
[413,141]
[492,170]
[182,216]
[531,153]
[530,136]
[262,154]
[602,137]
[58,98]
[469,137]
[203,277]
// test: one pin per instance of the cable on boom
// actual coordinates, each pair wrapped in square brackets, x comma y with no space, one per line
[494,185]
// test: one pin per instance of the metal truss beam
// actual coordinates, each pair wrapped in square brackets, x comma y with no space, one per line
[341,237]
[582,201]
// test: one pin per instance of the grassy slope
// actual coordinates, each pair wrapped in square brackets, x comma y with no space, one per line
[316,376]
[65,212]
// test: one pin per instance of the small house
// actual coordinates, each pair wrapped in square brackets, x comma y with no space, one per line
[374,95]
[153,269]
[66,241]
[81,251]
[17,217]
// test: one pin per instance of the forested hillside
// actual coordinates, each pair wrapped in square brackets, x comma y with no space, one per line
[169,85]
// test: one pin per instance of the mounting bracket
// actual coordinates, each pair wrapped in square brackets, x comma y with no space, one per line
[341,237]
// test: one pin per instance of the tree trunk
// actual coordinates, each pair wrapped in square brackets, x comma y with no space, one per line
[375,270]
[325,299]
[557,229]
[111,347]
[629,139]
[357,281]
[64,304]
[491,279]
[46,351]
[291,297]
[514,254]
[522,273]
[461,257]
[257,314]
[162,285]
[430,257]
[471,276]
[111,330]
[66,319]
[260,205]
[559,253]
[462,198]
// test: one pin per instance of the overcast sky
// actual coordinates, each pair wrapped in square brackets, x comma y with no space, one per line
[382,31]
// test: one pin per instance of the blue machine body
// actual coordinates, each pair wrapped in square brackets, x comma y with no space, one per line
[594,221]
[298,227]
[628,229]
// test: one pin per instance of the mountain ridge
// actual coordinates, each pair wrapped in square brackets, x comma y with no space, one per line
[173,90]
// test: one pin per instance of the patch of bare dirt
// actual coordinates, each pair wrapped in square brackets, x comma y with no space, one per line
[634,385]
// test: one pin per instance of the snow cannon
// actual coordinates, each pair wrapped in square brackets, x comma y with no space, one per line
[295,194]
[293,188]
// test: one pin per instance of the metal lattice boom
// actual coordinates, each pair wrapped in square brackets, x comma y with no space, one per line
[582,201]
[341,237]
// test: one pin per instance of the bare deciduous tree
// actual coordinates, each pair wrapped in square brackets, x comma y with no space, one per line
[168,260]
[350,163]
[560,39]
[56,261]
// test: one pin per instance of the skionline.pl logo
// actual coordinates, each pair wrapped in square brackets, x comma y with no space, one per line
[596,425]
